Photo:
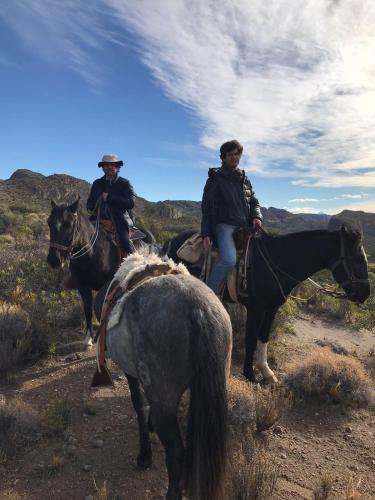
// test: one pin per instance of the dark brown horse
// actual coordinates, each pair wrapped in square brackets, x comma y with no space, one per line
[278,264]
[93,258]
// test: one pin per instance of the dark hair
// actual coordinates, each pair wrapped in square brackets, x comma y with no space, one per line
[230,146]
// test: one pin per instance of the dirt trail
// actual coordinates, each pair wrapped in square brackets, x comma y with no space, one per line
[309,329]
[101,448]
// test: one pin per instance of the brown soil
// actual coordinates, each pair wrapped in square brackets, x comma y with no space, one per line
[310,442]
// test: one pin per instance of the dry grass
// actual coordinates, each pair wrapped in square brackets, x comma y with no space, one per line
[57,417]
[324,489]
[15,335]
[56,464]
[253,473]
[241,402]
[325,375]
[271,403]
[351,491]
[19,425]
[11,495]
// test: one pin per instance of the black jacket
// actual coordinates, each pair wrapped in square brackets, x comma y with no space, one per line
[120,200]
[228,197]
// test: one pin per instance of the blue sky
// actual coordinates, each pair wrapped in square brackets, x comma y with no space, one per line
[163,84]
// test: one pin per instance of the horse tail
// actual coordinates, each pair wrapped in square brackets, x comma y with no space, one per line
[206,439]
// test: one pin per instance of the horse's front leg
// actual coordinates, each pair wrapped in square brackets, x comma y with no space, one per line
[255,317]
[261,351]
[86,296]
[144,458]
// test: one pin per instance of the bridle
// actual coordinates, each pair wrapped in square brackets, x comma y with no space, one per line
[74,240]
[351,278]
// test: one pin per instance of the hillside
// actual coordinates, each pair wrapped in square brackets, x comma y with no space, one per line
[26,191]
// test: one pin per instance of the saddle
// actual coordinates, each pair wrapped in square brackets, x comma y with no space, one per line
[115,292]
[192,251]
[110,230]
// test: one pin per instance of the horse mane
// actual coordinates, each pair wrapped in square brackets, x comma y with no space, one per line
[353,234]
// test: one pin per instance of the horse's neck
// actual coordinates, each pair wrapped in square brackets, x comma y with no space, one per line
[301,257]
[85,235]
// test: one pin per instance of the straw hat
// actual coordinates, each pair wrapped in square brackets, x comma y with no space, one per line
[110,159]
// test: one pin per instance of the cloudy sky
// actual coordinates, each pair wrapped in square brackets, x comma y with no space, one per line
[163,84]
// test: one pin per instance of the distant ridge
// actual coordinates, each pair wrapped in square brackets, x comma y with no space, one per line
[25,185]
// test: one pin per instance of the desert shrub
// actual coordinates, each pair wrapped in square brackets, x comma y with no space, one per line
[325,375]
[323,490]
[241,404]
[18,427]
[57,417]
[28,282]
[253,472]
[15,336]
[271,403]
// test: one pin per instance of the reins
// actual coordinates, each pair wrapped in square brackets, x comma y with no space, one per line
[76,229]
[272,267]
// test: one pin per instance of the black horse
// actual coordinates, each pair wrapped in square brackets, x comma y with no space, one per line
[93,258]
[277,264]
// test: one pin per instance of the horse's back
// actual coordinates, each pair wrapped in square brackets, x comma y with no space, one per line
[163,321]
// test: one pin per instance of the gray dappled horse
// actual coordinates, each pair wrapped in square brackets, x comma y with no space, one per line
[93,258]
[170,334]
[277,264]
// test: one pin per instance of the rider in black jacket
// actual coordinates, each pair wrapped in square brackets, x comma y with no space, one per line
[116,198]
[228,202]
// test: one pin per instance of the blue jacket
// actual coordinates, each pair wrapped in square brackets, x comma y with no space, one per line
[120,200]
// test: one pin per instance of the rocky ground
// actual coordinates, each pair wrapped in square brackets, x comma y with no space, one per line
[95,457]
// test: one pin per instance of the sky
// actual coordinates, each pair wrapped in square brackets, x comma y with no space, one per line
[163,84]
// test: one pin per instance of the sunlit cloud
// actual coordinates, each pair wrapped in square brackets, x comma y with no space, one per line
[292,80]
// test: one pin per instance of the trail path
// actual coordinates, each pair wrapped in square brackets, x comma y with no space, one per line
[309,442]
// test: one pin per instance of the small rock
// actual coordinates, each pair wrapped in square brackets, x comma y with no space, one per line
[348,429]
[98,443]
[283,456]
[87,468]
[373,462]
[353,467]
[73,357]
[278,429]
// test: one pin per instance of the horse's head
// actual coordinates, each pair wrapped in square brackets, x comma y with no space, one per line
[350,269]
[63,225]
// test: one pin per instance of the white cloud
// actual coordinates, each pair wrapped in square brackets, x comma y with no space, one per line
[292,80]
[304,200]
[304,210]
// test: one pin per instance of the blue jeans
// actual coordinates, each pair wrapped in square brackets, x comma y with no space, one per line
[228,256]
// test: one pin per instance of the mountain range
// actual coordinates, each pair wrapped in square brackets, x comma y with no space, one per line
[27,187]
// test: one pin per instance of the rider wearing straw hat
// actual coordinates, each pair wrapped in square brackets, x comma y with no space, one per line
[115,196]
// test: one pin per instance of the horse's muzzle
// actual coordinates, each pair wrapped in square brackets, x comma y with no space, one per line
[53,258]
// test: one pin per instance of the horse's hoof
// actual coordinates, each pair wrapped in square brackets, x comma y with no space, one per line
[250,376]
[272,379]
[144,462]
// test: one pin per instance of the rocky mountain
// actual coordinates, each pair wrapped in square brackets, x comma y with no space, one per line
[27,187]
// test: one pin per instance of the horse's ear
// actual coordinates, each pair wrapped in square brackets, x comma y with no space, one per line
[53,204]
[74,206]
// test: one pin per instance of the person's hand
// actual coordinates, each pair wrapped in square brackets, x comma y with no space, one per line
[257,224]
[207,243]
[105,196]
